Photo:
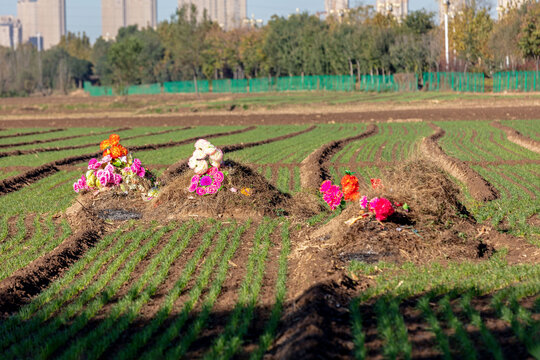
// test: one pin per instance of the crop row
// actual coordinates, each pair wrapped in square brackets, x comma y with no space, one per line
[519,186]
[393,142]
[529,128]
[25,245]
[479,141]
[296,149]
[89,310]
[47,136]
[446,307]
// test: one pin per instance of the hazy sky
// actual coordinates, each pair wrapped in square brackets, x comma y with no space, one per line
[85,15]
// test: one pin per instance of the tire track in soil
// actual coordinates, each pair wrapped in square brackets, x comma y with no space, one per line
[29,177]
[505,162]
[314,169]
[517,138]
[74,147]
[395,150]
[179,167]
[479,188]
[31,133]
[35,142]
[18,289]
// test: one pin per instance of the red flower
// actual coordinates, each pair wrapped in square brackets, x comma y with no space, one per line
[383,209]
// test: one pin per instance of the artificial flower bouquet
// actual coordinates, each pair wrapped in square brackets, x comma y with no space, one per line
[117,170]
[206,163]
[379,207]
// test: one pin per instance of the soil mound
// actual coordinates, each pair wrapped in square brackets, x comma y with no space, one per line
[437,225]
[254,197]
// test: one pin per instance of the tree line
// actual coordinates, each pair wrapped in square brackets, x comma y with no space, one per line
[359,42]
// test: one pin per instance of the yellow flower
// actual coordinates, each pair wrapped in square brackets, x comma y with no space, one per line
[246,191]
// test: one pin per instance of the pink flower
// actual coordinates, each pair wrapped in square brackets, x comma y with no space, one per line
[207,184]
[363,202]
[373,204]
[325,186]
[76,186]
[137,163]
[93,164]
[117,179]
[106,159]
[109,168]
[333,196]
[141,172]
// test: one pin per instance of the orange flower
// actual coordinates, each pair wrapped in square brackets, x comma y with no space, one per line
[114,139]
[106,152]
[104,144]
[350,187]
[124,150]
[116,152]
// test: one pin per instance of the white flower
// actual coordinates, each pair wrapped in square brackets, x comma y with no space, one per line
[201,144]
[216,158]
[209,150]
[201,167]
[199,154]
[192,162]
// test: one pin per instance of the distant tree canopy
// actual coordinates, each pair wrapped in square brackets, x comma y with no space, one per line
[362,41]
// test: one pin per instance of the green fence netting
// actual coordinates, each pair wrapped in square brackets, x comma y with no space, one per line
[463,82]
[230,86]
[337,82]
[262,85]
[516,81]
[378,83]
[146,89]
[173,87]
[297,83]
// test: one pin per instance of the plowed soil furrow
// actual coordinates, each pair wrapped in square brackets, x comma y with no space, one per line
[395,148]
[357,152]
[31,133]
[517,138]
[31,176]
[27,282]
[315,168]
[292,182]
[503,190]
[525,181]
[61,138]
[516,183]
[479,188]
[181,166]
[74,147]
[12,228]
[406,130]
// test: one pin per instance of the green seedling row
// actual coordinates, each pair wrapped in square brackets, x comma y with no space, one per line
[529,128]
[479,141]
[125,310]
[230,340]
[53,135]
[16,254]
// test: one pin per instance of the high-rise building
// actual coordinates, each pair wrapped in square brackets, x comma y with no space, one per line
[10,31]
[335,6]
[43,21]
[229,14]
[117,14]
[398,8]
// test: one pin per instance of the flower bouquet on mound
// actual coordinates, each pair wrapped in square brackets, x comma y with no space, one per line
[206,163]
[379,207]
[118,171]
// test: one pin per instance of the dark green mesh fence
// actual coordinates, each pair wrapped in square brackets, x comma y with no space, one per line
[462,82]
[516,81]
[230,86]
[174,87]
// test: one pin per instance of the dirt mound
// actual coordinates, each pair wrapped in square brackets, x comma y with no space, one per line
[518,138]
[176,202]
[437,227]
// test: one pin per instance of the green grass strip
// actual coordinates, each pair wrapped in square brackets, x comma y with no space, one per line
[391,328]
[173,330]
[266,339]
[489,340]
[4,229]
[17,238]
[200,322]
[94,344]
[359,337]
[50,333]
[442,340]
[466,346]
[19,323]
[228,343]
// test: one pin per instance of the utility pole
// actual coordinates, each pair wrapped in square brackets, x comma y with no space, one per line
[446,6]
